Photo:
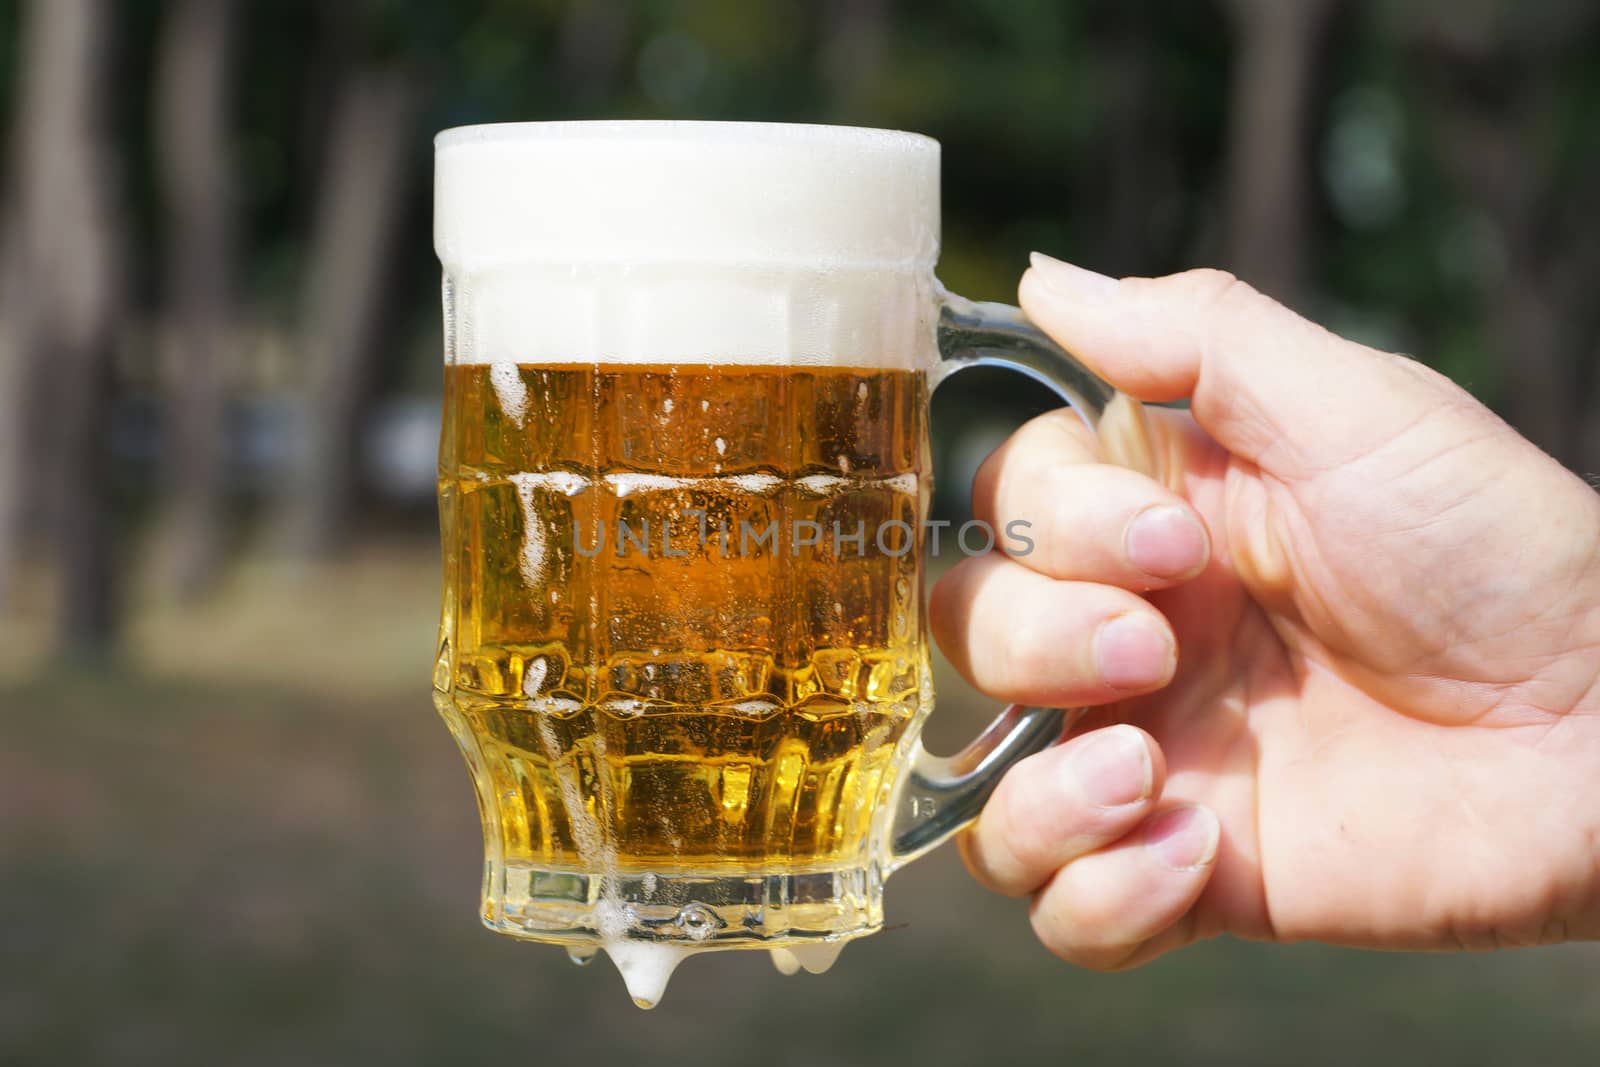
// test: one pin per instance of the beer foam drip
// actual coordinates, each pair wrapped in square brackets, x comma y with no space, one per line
[786,961]
[818,958]
[533,676]
[531,561]
[646,966]
[813,959]
[587,834]
[564,482]
[826,483]
[629,483]
[753,483]
[511,391]
[678,242]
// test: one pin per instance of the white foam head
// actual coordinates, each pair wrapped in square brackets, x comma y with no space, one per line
[686,241]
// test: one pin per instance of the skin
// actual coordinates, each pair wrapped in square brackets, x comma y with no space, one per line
[1352,693]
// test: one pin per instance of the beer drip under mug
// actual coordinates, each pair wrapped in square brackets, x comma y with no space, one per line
[683,479]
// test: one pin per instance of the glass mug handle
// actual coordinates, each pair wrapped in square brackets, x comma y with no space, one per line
[941,795]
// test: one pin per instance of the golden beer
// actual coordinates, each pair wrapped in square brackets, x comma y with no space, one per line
[681,615]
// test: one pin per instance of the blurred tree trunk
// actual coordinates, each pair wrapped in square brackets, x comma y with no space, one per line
[855,34]
[1276,45]
[343,303]
[65,265]
[1493,86]
[16,382]
[593,36]
[1131,185]
[193,80]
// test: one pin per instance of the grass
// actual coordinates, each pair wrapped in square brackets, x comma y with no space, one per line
[254,844]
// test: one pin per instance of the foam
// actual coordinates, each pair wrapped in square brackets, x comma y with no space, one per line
[663,242]
[813,959]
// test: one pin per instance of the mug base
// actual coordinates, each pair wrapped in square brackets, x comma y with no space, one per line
[695,910]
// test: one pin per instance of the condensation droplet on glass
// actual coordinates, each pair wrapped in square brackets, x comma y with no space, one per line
[666,405]
[722,446]
[582,955]
[844,463]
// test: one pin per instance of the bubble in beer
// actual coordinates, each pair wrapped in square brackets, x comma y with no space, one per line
[698,921]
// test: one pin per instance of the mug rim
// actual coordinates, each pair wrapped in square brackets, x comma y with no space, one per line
[771,133]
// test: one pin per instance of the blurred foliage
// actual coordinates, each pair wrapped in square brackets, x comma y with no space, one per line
[1019,92]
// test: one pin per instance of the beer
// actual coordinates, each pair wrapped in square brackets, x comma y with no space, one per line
[670,631]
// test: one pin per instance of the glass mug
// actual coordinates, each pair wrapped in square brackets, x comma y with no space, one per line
[683,476]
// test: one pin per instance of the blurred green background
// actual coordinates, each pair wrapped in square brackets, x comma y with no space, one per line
[231,829]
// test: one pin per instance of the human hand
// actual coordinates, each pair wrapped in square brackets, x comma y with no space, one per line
[1364,679]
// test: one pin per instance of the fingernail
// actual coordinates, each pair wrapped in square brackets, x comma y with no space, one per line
[1133,652]
[1183,838]
[1166,542]
[1073,283]
[1113,768]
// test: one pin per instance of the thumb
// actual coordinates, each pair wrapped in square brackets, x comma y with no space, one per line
[1267,384]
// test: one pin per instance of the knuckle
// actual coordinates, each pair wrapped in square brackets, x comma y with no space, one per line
[1061,534]
[1209,287]
[1031,658]
[1070,938]
[987,481]
[1217,299]
[1022,825]
[1005,849]
[1057,431]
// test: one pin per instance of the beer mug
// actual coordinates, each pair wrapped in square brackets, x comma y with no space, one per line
[683,479]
